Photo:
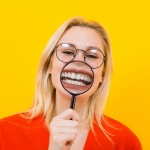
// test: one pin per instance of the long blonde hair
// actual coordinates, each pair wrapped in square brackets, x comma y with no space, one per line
[44,100]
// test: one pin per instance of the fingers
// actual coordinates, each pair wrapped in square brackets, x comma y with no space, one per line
[63,131]
[64,139]
[64,123]
[56,130]
[67,114]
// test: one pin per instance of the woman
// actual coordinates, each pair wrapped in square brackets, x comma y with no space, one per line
[51,124]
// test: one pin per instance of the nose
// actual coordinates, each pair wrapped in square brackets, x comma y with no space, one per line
[80,55]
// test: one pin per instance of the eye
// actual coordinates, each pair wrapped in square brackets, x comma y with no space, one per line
[91,56]
[68,52]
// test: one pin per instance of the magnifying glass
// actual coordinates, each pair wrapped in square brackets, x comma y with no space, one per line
[76,77]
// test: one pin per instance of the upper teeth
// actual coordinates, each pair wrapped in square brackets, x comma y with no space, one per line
[76,76]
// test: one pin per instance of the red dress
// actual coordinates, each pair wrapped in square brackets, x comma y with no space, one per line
[17,133]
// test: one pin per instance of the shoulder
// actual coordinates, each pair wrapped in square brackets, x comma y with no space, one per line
[12,119]
[18,122]
[116,127]
[20,119]
[120,134]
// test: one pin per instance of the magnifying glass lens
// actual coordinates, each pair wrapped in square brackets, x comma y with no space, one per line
[77,77]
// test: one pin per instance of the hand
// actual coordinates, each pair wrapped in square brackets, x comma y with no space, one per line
[63,130]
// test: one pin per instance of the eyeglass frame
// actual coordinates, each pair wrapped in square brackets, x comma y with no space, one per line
[77,50]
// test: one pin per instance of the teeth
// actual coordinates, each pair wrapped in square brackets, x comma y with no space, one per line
[69,81]
[89,80]
[69,75]
[82,77]
[73,76]
[62,75]
[76,76]
[74,82]
[66,74]
[85,78]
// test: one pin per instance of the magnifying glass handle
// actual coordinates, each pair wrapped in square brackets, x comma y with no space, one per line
[73,100]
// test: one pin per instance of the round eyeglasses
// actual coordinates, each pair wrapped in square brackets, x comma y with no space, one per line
[66,52]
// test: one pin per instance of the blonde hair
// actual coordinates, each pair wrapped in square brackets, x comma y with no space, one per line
[44,100]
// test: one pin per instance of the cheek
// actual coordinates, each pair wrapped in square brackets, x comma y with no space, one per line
[95,84]
[55,71]
[98,75]
[97,78]
[56,66]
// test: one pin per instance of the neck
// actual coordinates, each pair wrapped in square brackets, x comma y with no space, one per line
[63,103]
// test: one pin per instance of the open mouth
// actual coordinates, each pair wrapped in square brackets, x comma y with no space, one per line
[79,79]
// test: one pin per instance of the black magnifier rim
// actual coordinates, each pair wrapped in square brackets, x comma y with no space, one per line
[91,81]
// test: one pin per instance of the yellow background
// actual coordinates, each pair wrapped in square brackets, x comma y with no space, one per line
[26,26]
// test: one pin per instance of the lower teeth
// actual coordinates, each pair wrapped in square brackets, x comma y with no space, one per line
[75,82]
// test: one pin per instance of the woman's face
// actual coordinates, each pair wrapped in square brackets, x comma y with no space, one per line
[81,38]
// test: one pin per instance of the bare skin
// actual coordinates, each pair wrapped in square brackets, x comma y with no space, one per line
[66,134]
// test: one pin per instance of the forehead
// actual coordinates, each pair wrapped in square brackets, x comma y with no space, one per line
[82,37]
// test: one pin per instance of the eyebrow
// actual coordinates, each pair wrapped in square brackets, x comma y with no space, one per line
[88,47]
[93,47]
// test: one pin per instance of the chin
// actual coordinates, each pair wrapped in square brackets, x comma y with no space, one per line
[82,97]
[63,94]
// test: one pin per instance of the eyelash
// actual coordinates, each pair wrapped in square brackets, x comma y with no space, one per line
[91,56]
